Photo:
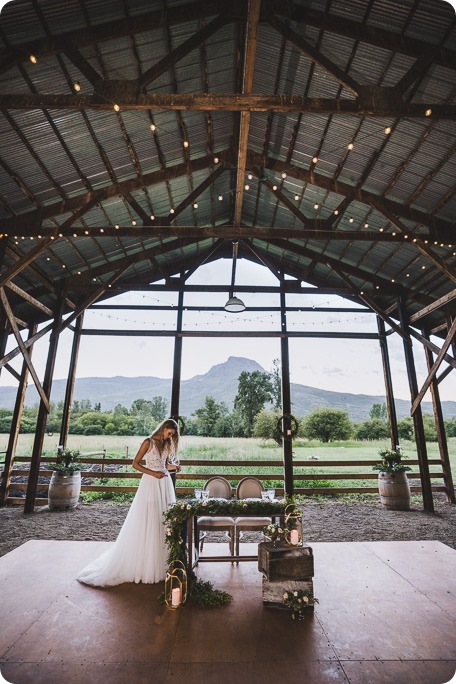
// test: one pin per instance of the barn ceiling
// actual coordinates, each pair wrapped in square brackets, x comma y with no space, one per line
[140,138]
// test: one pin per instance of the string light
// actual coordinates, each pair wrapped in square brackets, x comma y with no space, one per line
[296,197]
[350,146]
[247,186]
[185,143]
[314,160]
[428,112]
[250,176]
[33,59]
[133,223]
[171,211]
[116,108]
[336,212]
[152,217]
[316,206]
[220,198]
[216,160]
[77,86]
[388,130]
[284,175]
[195,205]
[274,187]
[153,127]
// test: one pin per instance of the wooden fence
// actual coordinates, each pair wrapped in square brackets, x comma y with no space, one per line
[100,469]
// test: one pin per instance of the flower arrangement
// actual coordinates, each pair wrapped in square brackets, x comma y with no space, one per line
[391,461]
[297,601]
[275,532]
[67,461]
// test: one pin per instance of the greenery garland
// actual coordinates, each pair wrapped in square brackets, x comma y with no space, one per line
[200,592]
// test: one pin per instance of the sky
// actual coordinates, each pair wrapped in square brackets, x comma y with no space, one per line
[352,366]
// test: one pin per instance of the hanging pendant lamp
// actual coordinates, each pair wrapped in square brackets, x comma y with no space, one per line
[234,304]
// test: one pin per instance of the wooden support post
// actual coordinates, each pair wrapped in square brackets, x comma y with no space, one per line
[15,426]
[69,390]
[440,427]
[177,363]
[286,402]
[420,439]
[392,417]
[42,412]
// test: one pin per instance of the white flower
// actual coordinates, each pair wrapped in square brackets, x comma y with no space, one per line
[188,506]
[182,506]
[306,599]
[285,595]
[204,503]
[299,600]
[280,530]
[295,593]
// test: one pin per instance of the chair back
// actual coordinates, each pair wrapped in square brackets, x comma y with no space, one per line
[218,487]
[249,488]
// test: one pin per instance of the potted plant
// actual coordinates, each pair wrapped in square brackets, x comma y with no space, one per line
[393,483]
[65,484]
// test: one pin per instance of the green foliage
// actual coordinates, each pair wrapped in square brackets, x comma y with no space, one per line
[372,429]
[208,416]
[391,461]
[265,424]
[328,424]
[254,390]
[203,594]
[430,432]
[276,383]
[379,412]
[67,462]
[405,428]
[451,428]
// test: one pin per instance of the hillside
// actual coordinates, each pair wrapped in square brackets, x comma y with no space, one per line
[220,382]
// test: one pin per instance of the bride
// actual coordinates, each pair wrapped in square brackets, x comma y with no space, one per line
[139,552]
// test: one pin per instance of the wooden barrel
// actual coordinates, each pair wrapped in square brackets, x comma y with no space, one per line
[64,490]
[394,491]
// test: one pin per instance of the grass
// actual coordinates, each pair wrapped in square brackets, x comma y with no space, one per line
[242,453]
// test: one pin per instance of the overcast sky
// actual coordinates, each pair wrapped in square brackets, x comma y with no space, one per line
[352,366]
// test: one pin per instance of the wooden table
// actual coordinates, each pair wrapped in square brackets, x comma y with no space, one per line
[232,509]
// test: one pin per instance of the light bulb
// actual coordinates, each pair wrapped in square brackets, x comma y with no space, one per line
[152,217]
[195,205]
[153,127]
[428,112]
[274,187]
[314,160]
[216,160]
[77,86]
[220,198]
[388,130]
[116,108]
[171,211]
[284,175]
[185,143]
[296,197]
[33,59]
[247,186]
[350,146]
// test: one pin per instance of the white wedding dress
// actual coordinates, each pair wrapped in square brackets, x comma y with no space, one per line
[139,553]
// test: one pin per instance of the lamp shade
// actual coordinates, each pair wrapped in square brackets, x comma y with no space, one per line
[234,305]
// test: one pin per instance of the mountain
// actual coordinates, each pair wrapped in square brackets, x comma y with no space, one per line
[221,383]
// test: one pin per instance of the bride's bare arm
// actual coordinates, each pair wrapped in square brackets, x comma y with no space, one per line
[142,451]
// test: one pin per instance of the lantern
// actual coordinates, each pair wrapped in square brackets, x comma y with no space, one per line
[175,585]
[293,525]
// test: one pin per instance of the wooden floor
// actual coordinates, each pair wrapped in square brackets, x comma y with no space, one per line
[387,614]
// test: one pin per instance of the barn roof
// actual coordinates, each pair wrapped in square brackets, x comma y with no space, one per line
[140,138]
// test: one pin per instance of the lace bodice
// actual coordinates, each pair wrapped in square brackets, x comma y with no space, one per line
[156,460]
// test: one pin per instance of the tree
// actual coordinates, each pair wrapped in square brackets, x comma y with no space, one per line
[405,428]
[276,382]
[265,424]
[372,429]
[254,390]
[208,415]
[379,412]
[159,409]
[328,424]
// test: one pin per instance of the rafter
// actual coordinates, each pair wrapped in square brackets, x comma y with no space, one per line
[373,101]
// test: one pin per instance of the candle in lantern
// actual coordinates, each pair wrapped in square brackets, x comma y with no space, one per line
[294,537]
[176,597]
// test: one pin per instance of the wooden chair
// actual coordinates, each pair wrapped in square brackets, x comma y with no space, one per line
[249,488]
[218,488]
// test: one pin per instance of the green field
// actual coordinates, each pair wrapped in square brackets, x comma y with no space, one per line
[243,453]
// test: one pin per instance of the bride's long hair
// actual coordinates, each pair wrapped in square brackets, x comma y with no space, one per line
[157,434]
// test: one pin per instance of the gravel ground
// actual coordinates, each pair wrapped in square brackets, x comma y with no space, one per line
[327,520]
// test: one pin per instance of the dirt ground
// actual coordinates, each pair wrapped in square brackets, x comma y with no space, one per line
[329,520]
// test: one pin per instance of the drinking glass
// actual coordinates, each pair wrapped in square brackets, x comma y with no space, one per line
[204,495]
[198,493]
[265,496]
[271,494]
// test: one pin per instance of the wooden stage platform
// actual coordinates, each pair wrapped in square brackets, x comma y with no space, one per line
[387,615]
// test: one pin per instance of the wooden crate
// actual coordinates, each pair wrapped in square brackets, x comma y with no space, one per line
[273,592]
[279,563]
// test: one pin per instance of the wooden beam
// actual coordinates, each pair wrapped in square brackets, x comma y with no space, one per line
[374,101]
[27,259]
[439,303]
[28,298]
[181,51]
[33,219]
[25,354]
[440,357]
[315,55]
[81,63]
[253,15]
[433,347]
[344,189]
[17,350]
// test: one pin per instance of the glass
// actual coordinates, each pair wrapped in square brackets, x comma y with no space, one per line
[198,493]
[271,494]
[204,495]
[265,496]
